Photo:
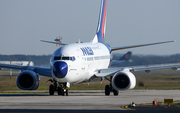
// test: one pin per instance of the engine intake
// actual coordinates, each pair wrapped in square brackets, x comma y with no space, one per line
[28,80]
[123,80]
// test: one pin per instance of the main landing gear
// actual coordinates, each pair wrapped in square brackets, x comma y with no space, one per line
[109,88]
[60,88]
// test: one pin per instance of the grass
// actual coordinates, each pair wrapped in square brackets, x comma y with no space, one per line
[165,82]
[155,81]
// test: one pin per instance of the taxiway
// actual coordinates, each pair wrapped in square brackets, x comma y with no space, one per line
[83,100]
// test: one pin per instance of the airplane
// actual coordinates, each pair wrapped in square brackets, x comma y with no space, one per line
[84,62]
[124,58]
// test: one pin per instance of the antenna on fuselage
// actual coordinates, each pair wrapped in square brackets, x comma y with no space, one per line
[79,41]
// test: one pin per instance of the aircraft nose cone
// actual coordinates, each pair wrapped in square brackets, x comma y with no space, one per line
[60,69]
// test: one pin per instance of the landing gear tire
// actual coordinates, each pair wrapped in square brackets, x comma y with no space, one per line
[115,92]
[51,90]
[60,91]
[107,90]
[60,88]
[66,92]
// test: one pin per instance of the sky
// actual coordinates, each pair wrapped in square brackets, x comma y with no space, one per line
[23,23]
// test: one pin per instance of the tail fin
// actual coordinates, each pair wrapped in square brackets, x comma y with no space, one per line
[126,56]
[100,33]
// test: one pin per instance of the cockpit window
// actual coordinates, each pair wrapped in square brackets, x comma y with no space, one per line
[57,58]
[72,58]
[64,58]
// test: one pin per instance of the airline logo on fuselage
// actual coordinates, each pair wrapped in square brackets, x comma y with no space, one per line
[87,51]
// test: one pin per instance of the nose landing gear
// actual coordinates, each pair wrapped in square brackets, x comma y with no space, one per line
[60,88]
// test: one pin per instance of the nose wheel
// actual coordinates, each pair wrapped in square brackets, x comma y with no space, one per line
[62,91]
[60,88]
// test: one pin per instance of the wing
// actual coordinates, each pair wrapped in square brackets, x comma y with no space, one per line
[40,70]
[147,68]
[53,42]
[141,45]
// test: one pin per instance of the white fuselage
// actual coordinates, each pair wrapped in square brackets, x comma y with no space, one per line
[79,61]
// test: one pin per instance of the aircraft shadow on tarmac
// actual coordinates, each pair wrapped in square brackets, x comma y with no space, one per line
[73,93]
[6,95]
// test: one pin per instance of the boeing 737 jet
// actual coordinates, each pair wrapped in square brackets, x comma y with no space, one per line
[84,62]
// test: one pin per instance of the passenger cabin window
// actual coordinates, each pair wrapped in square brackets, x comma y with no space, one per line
[96,58]
[102,57]
[90,59]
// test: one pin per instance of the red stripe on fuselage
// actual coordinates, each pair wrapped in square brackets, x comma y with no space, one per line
[104,19]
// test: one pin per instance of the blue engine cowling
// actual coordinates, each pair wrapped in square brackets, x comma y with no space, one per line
[28,80]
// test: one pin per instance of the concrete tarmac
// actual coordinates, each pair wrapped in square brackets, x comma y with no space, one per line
[82,101]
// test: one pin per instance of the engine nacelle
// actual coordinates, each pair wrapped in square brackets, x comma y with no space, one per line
[123,80]
[28,80]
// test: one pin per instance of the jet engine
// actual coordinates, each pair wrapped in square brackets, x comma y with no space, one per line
[28,80]
[123,80]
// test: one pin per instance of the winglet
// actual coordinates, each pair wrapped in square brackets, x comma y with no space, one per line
[100,33]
